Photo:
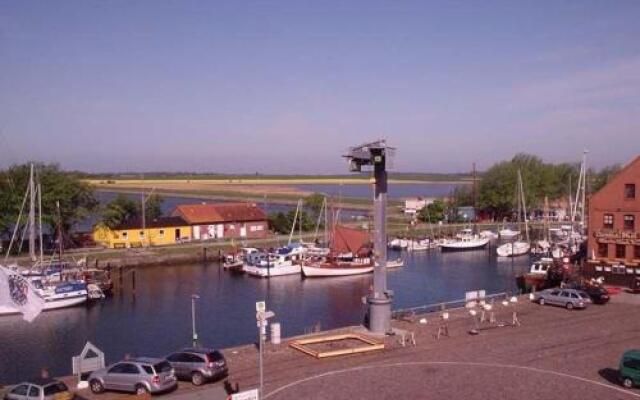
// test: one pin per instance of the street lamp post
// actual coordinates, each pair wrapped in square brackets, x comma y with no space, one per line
[194,335]
[262,317]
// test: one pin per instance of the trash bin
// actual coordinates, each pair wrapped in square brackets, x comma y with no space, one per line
[275,333]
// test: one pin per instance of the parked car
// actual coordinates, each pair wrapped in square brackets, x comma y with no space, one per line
[198,364]
[598,294]
[569,298]
[137,375]
[43,389]
[630,369]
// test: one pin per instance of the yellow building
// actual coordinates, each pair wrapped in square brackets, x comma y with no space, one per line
[157,232]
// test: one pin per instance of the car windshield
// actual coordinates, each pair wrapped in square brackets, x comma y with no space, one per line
[163,366]
[55,388]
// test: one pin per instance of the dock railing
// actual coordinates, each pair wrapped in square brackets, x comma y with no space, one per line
[408,313]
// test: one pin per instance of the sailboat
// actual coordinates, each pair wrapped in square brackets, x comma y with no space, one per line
[517,248]
[350,254]
[55,295]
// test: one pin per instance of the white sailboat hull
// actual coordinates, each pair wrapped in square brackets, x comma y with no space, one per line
[514,249]
[310,271]
[463,245]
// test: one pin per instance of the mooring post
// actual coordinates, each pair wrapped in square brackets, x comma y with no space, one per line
[133,281]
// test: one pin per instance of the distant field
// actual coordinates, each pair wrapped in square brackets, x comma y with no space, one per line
[397,177]
[255,181]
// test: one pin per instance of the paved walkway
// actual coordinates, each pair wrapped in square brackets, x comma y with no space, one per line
[554,354]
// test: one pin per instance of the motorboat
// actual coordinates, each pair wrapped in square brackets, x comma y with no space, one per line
[55,296]
[235,261]
[513,249]
[397,263]
[94,292]
[399,244]
[284,261]
[420,245]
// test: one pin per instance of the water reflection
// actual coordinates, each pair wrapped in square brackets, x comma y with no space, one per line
[157,319]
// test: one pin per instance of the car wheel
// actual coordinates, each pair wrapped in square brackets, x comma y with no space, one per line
[96,386]
[141,389]
[569,306]
[627,382]
[541,301]
[197,379]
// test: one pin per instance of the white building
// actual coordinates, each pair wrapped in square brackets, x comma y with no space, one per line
[413,205]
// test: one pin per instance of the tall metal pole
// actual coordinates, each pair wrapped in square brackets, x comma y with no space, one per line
[194,335]
[380,300]
[260,366]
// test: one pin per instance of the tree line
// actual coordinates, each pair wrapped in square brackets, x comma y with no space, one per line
[496,189]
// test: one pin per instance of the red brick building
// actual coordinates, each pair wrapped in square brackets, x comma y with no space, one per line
[614,228]
[224,220]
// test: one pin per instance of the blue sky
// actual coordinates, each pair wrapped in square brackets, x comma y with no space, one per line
[287,86]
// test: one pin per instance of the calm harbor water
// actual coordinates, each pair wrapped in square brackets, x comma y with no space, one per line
[157,319]
[397,190]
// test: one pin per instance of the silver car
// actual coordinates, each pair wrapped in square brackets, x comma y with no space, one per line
[138,375]
[569,298]
[198,364]
[44,389]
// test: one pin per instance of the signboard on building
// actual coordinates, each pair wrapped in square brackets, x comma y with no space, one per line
[246,395]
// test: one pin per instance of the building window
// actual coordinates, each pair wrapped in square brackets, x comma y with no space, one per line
[603,250]
[620,251]
[636,252]
[161,233]
[629,222]
[607,222]
[630,191]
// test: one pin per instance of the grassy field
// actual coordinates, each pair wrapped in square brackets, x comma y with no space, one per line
[354,203]
[398,177]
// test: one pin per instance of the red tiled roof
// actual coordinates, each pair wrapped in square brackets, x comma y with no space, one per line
[222,212]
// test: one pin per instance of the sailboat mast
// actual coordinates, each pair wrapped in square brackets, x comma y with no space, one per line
[40,224]
[60,239]
[32,216]
[293,226]
[584,190]
[524,206]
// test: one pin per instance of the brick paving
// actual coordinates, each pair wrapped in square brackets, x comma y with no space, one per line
[554,354]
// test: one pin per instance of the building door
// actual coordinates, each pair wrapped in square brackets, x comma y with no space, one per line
[243,231]
[177,236]
[220,229]
[196,232]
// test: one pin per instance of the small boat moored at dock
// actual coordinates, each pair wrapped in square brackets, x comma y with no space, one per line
[284,261]
[513,249]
